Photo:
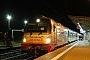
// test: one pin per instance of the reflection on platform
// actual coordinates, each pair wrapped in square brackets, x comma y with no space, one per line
[79,51]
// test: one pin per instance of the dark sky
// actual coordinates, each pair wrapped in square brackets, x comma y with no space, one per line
[79,7]
[27,9]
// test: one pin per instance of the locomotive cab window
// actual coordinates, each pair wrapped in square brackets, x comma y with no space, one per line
[38,27]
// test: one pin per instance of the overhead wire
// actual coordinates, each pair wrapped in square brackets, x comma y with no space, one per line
[63,16]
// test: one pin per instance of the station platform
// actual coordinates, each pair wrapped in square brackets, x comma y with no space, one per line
[76,51]
[80,52]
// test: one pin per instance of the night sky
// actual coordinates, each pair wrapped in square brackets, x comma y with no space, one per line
[29,9]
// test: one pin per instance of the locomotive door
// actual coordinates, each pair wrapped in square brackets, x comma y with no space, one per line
[55,35]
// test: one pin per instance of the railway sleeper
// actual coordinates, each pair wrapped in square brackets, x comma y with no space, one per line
[17,56]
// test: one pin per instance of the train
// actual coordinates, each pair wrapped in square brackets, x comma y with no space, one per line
[45,34]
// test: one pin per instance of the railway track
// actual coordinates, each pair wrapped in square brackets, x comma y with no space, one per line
[14,54]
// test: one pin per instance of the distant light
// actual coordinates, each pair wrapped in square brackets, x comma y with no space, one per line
[9,17]
[87,30]
[25,22]
[77,23]
[38,20]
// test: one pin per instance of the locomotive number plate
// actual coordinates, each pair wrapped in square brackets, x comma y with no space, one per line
[36,39]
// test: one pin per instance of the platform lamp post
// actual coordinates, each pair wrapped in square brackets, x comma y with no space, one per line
[25,22]
[8,42]
[9,18]
[38,20]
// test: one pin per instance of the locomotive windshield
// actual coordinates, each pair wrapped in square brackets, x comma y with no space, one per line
[38,27]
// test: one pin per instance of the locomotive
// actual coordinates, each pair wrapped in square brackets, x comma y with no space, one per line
[44,35]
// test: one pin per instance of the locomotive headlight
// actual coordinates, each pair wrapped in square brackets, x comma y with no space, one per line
[48,40]
[24,39]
